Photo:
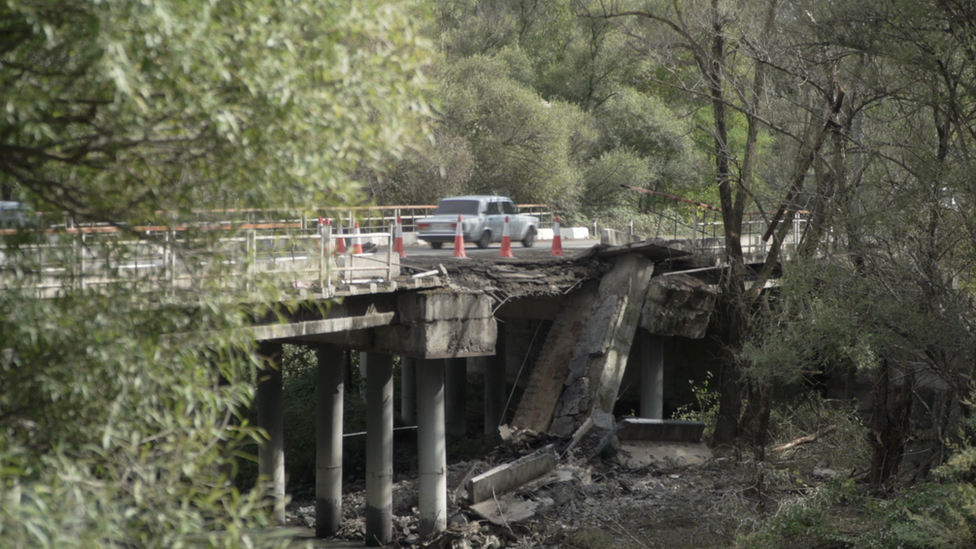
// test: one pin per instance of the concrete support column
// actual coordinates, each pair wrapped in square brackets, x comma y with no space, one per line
[456,387]
[495,385]
[652,375]
[328,441]
[379,449]
[408,390]
[431,447]
[271,454]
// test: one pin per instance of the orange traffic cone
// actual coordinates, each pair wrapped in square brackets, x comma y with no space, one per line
[557,241]
[340,242]
[459,240]
[398,238]
[357,243]
[506,241]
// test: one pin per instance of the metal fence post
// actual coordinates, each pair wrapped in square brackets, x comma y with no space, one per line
[389,253]
[83,247]
[327,256]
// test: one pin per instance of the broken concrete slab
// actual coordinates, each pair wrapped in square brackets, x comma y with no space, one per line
[551,490]
[600,355]
[636,454]
[673,430]
[545,384]
[660,443]
[585,355]
[611,237]
[509,476]
[678,305]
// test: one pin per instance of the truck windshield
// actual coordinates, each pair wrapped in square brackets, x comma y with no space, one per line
[458,207]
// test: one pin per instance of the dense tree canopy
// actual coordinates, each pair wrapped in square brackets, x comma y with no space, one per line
[857,115]
[220,104]
[122,407]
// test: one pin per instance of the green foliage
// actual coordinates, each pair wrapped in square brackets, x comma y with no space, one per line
[123,407]
[603,194]
[256,103]
[518,141]
[927,515]
[642,124]
[845,449]
[706,407]
[118,429]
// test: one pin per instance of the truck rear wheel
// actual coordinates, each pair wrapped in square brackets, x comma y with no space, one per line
[485,239]
[529,239]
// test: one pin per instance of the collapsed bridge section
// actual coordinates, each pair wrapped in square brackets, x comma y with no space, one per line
[603,309]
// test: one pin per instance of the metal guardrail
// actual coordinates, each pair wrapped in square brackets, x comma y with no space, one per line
[242,245]
[249,245]
[706,231]
[176,259]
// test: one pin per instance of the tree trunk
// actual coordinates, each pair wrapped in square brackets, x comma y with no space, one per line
[890,424]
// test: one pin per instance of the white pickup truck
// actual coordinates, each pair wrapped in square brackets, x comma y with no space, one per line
[482,221]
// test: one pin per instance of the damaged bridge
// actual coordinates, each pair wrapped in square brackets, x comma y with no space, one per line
[572,332]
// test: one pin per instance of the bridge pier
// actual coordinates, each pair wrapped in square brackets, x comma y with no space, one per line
[271,454]
[456,386]
[379,449]
[494,372]
[408,390]
[651,353]
[330,391]
[431,447]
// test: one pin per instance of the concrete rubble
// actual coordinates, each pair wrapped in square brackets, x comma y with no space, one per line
[539,476]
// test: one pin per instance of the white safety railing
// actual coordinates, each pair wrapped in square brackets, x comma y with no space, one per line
[704,231]
[180,258]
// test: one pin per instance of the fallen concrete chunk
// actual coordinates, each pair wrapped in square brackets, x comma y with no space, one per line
[662,430]
[551,490]
[636,454]
[509,476]
[595,435]
[661,443]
